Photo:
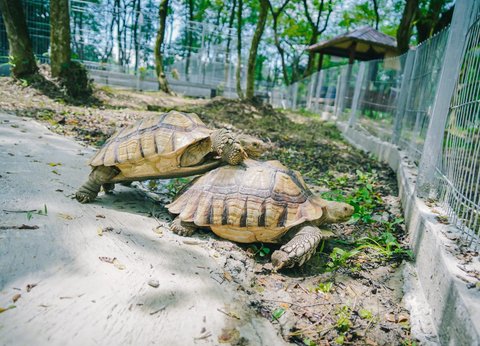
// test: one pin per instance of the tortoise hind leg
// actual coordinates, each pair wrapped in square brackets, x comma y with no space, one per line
[299,250]
[99,176]
[108,187]
[185,229]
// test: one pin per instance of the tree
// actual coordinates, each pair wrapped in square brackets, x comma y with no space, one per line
[22,59]
[72,75]
[316,30]
[162,15]
[405,27]
[432,16]
[238,70]
[281,51]
[252,57]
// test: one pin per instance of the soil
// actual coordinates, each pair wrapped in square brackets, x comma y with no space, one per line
[350,292]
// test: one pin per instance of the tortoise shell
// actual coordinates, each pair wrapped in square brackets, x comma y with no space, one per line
[154,145]
[254,201]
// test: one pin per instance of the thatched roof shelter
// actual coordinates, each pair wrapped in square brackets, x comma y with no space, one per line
[364,43]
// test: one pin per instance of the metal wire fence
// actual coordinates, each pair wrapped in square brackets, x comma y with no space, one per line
[394,100]
[116,43]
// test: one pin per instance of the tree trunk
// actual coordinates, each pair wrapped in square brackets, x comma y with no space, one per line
[252,57]
[189,39]
[238,72]
[59,36]
[162,79]
[22,61]
[229,40]
[404,31]
[136,44]
[281,51]
[377,15]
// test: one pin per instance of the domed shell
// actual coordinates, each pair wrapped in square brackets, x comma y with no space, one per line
[153,145]
[254,201]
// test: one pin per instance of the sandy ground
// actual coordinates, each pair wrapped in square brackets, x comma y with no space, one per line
[84,274]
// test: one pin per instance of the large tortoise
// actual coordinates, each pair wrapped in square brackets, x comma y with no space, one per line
[258,202]
[168,145]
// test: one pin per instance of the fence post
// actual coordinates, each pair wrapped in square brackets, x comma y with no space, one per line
[318,90]
[463,17]
[294,95]
[343,91]
[403,97]
[356,94]
[337,96]
[311,85]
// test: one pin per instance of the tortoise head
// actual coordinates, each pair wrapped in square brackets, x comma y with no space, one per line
[253,146]
[227,146]
[337,212]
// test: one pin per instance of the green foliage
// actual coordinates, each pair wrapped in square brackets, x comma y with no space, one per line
[364,199]
[277,313]
[340,258]
[386,245]
[343,322]
[41,212]
[324,287]
[365,314]
[261,251]
[173,186]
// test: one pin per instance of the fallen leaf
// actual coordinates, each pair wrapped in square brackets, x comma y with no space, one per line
[100,216]
[5,309]
[53,164]
[229,336]
[55,172]
[66,216]
[30,287]
[227,276]
[402,318]
[118,265]
[16,297]
[100,231]
[390,317]
[107,259]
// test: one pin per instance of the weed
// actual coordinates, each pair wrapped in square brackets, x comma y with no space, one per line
[343,323]
[43,212]
[309,342]
[261,251]
[386,245]
[339,258]
[365,314]
[324,287]
[174,186]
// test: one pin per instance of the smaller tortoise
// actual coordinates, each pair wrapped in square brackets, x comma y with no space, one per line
[168,145]
[258,202]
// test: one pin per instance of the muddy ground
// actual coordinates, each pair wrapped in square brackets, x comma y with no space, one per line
[350,292]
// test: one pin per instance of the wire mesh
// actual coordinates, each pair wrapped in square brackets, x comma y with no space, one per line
[422,88]
[458,185]
[380,90]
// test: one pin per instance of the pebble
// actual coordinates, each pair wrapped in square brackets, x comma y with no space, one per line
[154,283]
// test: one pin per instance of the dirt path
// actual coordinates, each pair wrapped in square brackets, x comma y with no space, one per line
[85,273]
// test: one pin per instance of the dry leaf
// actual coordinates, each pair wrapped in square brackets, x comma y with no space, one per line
[118,265]
[66,216]
[229,336]
[100,231]
[107,259]
[227,276]
[30,286]
[5,309]
[16,297]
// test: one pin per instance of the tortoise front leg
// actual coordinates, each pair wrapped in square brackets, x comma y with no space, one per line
[299,250]
[185,229]
[101,175]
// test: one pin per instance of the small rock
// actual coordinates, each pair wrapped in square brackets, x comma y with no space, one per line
[154,283]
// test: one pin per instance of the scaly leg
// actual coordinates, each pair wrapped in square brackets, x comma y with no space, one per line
[99,176]
[185,229]
[299,250]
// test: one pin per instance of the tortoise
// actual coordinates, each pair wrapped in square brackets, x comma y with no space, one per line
[258,202]
[167,145]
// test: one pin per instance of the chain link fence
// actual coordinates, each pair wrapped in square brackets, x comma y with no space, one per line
[398,100]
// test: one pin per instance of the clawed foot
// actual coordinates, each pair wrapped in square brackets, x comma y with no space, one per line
[180,228]
[83,197]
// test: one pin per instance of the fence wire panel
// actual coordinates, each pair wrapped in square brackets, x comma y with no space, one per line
[422,87]
[325,93]
[459,175]
[378,100]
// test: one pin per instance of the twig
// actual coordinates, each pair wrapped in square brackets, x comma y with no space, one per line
[158,310]
[301,306]
[229,314]
[19,227]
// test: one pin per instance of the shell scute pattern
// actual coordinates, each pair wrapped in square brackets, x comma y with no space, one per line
[263,197]
[154,137]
